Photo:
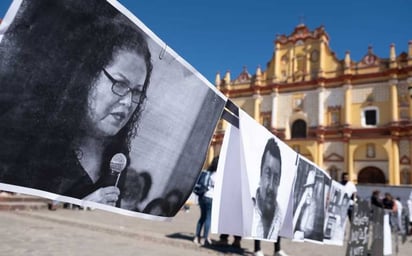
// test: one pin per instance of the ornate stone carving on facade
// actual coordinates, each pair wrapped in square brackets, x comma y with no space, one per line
[301,32]
[243,77]
[370,58]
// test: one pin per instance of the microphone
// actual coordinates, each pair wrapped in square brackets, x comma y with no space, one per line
[117,165]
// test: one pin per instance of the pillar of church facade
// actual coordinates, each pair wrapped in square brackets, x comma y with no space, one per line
[394,100]
[256,107]
[394,177]
[321,109]
[349,151]
[274,114]
[320,149]
[348,104]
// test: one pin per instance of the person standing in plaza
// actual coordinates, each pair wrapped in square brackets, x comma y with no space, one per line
[205,204]
[389,203]
[351,191]
[399,208]
[375,199]
[409,207]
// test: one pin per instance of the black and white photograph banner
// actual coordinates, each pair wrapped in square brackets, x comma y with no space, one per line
[264,189]
[359,230]
[336,215]
[254,182]
[96,110]
[309,201]
[270,168]
[377,230]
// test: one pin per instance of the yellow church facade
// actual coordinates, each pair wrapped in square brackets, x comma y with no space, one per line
[344,115]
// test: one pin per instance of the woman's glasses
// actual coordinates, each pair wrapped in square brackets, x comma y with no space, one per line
[121,88]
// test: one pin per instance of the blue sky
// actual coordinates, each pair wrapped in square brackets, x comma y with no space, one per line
[220,35]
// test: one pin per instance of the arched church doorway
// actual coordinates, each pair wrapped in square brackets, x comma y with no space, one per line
[371,175]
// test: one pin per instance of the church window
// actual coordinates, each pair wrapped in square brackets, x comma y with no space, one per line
[370,116]
[405,176]
[301,63]
[299,129]
[334,116]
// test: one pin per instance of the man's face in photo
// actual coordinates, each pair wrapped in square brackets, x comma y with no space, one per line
[269,183]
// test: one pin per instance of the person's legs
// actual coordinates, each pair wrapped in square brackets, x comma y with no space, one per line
[236,241]
[350,212]
[224,237]
[257,249]
[277,245]
[208,216]
[201,220]
[257,246]
[278,250]
[223,240]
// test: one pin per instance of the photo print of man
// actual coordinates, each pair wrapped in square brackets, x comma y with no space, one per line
[270,166]
[309,202]
[96,110]
[267,212]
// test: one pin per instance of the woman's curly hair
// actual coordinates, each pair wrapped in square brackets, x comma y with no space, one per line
[49,64]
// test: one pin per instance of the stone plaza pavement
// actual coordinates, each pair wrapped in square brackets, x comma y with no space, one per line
[95,232]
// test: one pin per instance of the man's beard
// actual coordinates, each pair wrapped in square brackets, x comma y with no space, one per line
[269,209]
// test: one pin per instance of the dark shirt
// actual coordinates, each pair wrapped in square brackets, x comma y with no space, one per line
[387,203]
[65,176]
[78,184]
[376,202]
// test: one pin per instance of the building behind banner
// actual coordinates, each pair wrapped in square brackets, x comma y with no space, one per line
[342,114]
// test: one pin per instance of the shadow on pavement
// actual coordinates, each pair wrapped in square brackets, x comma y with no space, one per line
[182,236]
[228,249]
[225,249]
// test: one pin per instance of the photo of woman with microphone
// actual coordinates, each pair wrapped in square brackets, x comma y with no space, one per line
[96,111]
[76,104]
